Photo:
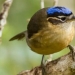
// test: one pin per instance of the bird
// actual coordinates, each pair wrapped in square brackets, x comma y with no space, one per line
[50,30]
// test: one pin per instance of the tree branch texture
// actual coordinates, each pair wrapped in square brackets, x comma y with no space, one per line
[61,66]
[4,14]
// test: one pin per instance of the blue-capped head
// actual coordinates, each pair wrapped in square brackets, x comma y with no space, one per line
[59,14]
[58,11]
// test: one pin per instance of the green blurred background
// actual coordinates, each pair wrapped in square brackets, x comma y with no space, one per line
[16,56]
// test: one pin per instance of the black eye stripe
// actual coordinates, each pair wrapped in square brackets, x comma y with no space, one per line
[62,18]
[55,21]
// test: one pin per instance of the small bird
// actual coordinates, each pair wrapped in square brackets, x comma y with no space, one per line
[49,30]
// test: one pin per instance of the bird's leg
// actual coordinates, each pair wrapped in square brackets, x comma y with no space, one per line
[72,51]
[43,67]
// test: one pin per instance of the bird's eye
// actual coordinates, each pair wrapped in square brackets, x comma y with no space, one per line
[63,18]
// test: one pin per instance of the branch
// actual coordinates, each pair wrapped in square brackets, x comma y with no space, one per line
[42,3]
[61,66]
[3,15]
[55,2]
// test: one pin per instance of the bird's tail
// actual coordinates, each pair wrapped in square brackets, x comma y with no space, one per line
[18,36]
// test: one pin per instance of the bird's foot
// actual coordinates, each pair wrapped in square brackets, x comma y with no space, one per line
[43,67]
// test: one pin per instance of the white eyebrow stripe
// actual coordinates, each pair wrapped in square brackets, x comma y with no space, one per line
[55,19]
[61,16]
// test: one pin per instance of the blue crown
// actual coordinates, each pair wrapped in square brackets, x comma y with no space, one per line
[58,11]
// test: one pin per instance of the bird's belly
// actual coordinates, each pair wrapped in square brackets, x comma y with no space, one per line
[48,44]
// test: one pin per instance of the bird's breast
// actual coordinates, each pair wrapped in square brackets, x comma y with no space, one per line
[49,41]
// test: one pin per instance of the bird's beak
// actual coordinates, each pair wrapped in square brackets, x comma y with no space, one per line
[73,18]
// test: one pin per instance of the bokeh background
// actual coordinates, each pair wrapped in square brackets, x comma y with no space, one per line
[16,56]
